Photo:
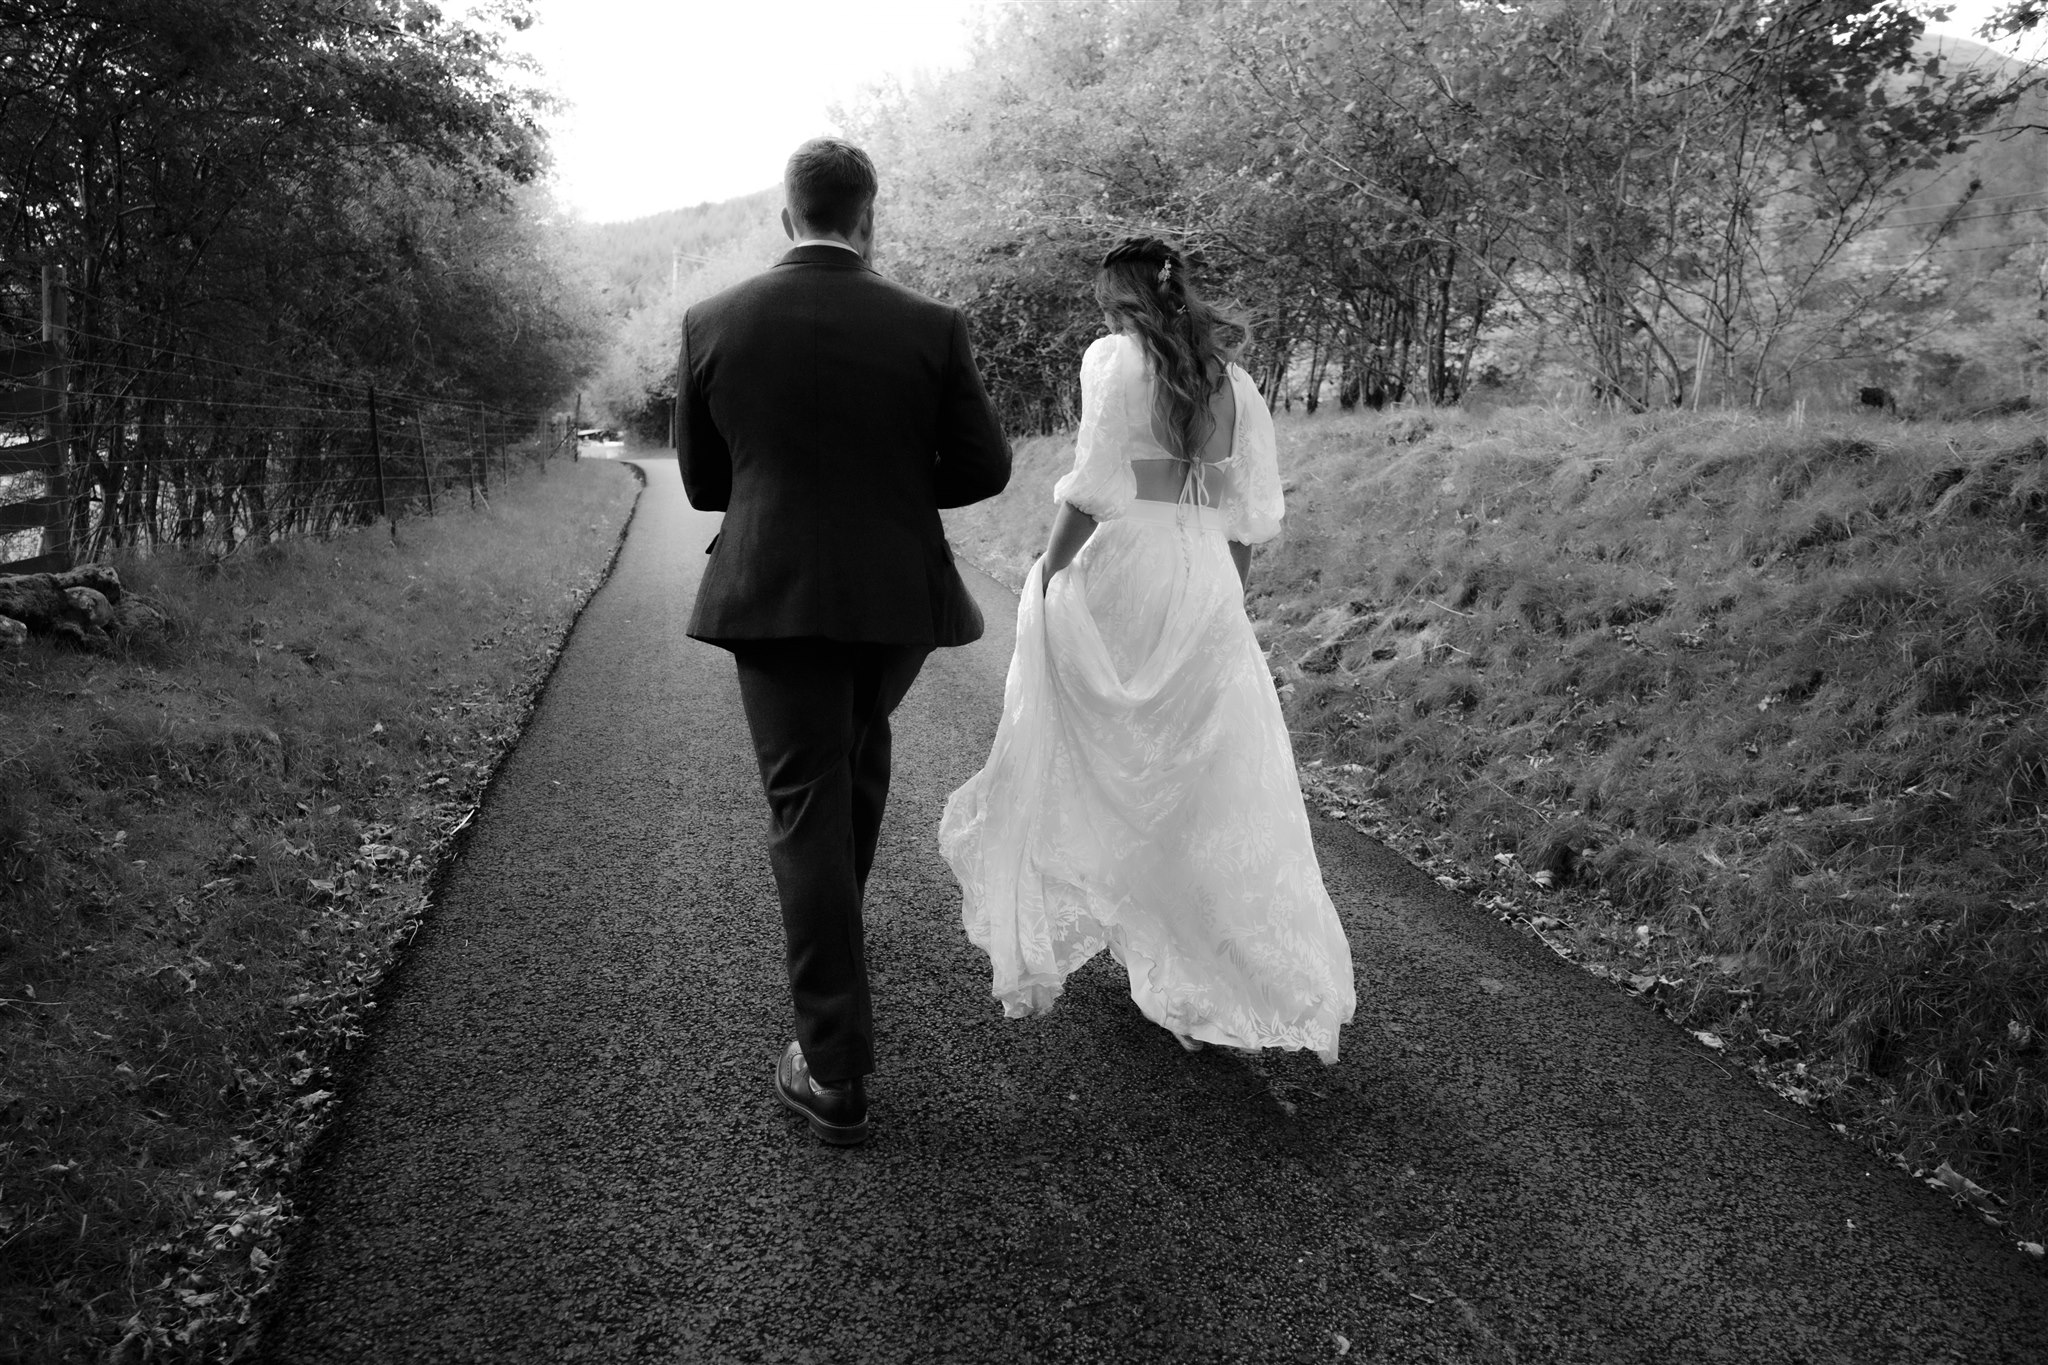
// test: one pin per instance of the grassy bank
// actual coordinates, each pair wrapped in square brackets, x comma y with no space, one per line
[212,846]
[1744,712]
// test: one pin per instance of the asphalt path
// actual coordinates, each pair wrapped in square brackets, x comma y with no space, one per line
[561,1142]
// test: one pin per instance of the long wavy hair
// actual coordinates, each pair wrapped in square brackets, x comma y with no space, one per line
[1143,286]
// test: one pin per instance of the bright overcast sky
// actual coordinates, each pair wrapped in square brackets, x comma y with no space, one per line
[676,102]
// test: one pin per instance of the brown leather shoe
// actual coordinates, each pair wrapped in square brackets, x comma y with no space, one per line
[837,1114]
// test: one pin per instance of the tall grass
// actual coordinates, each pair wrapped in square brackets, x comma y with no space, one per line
[1765,695]
[211,845]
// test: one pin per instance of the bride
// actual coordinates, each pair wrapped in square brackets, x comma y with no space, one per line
[1141,795]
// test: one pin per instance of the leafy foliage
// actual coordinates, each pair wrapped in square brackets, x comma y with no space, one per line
[1673,192]
[328,186]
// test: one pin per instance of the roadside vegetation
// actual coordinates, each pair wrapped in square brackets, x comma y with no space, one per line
[212,846]
[1743,711]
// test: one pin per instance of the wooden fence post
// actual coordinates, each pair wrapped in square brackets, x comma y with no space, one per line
[377,456]
[426,462]
[58,381]
[57,540]
[575,431]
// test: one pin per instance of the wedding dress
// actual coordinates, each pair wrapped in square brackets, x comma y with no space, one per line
[1141,794]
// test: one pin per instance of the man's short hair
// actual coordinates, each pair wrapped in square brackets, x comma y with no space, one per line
[829,183]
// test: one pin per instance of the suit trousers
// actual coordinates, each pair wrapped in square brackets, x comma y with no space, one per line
[819,711]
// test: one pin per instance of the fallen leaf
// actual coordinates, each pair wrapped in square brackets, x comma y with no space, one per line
[1712,1040]
[1947,1177]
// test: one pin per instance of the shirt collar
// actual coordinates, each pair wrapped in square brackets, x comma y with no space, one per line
[824,241]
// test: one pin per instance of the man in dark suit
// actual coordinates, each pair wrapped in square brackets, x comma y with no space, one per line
[830,414]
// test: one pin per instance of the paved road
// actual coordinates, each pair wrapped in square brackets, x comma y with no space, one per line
[562,1145]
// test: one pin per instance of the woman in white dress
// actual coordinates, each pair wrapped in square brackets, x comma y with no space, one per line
[1141,795]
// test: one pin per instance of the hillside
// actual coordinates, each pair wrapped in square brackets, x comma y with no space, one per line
[1747,710]
[1962,266]
[639,259]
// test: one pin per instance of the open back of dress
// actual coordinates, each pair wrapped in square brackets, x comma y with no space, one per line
[1208,477]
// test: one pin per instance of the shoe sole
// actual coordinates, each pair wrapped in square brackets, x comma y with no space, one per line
[835,1134]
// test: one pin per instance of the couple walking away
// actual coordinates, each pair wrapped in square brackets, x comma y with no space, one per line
[1141,795]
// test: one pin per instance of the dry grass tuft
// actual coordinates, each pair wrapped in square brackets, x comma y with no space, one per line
[212,845]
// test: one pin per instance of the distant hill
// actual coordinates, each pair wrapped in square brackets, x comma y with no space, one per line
[1964,259]
[2008,208]
[635,261]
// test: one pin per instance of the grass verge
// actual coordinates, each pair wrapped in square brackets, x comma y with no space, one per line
[211,848]
[1744,713]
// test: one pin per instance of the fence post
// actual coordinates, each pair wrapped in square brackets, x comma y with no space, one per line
[57,533]
[575,430]
[377,455]
[426,463]
[478,447]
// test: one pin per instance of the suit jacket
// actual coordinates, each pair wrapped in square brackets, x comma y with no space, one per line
[830,414]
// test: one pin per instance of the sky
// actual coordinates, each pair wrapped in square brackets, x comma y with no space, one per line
[680,102]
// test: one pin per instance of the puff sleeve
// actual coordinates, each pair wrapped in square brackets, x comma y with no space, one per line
[1101,482]
[1254,514]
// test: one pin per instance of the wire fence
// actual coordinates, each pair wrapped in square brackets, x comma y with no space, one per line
[107,446]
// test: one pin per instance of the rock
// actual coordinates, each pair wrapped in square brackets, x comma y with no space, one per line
[101,578]
[36,601]
[98,610]
[13,634]
[77,606]
[136,620]
[1407,429]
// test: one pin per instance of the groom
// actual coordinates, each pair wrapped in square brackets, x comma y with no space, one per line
[830,414]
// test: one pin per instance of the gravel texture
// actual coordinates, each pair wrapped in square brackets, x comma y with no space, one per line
[562,1142]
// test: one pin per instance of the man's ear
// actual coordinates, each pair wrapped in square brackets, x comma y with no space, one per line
[788,225]
[867,221]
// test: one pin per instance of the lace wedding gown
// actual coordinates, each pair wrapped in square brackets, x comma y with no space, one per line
[1141,794]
